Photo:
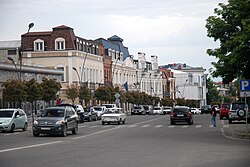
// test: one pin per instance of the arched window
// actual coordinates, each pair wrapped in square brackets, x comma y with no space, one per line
[39,45]
[60,44]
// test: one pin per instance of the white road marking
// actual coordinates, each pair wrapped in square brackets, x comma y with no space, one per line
[158,126]
[94,126]
[30,146]
[185,126]
[145,126]
[171,126]
[211,126]
[132,126]
[225,126]
[198,126]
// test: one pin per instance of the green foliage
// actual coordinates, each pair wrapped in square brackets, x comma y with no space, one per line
[50,87]
[106,93]
[85,93]
[212,93]
[167,102]
[231,26]
[72,92]
[34,90]
[14,91]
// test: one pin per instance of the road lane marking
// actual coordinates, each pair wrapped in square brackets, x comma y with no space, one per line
[225,126]
[96,133]
[211,126]
[145,126]
[185,126]
[94,126]
[132,126]
[198,126]
[171,126]
[158,126]
[30,146]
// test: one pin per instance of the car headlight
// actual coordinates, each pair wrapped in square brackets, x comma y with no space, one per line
[6,122]
[35,123]
[61,122]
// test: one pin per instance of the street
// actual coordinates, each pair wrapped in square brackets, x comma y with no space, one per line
[144,141]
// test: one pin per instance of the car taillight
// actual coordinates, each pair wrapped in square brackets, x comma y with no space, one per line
[171,114]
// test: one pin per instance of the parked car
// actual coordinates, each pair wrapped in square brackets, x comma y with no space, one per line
[206,109]
[138,110]
[78,108]
[100,110]
[56,120]
[11,119]
[167,110]
[114,116]
[157,110]
[238,112]
[90,115]
[148,109]
[181,114]
[224,110]
[195,111]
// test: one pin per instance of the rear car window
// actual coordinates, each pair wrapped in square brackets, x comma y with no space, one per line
[177,110]
[236,106]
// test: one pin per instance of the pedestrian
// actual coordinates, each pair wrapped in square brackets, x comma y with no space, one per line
[213,116]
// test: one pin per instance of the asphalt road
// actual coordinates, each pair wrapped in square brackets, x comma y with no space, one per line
[144,141]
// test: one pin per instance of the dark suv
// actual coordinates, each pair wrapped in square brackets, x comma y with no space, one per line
[56,120]
[238,112]
[181,114]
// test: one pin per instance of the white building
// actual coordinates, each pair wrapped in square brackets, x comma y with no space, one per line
[191,84]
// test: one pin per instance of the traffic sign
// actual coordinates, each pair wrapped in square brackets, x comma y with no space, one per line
[117,95]
[244,88]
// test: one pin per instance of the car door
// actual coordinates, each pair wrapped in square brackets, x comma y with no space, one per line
[18,119]
[69,117]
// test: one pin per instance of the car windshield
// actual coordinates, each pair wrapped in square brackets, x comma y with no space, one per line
[236,106]
[53,113]
[6,114]
[97,108]
[108,105]
[137,107]
[157,108]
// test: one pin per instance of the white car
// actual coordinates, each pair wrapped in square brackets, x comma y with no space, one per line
[11,119]
[114,116]
[157,110]
[100,110]
[195,111]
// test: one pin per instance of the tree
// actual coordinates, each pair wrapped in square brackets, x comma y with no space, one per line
[167,102]
[72,92]
[50,87]
[212,93]
[14,91]
[231,26]
[34,92]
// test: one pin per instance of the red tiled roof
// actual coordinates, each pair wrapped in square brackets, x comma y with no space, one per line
[61,26]
[39,33]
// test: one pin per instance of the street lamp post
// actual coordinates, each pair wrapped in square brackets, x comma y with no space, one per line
[11,59]
[20,52]
[80,83]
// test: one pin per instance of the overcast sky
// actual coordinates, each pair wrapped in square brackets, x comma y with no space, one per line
[174,30]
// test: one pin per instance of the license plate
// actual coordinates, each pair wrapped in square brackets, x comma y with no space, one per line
[180,115]
[45,128]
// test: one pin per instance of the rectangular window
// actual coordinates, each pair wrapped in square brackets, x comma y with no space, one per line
[11,52]
[39,46]
[60,45]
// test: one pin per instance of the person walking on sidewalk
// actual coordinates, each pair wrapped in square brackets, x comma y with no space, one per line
[213,116]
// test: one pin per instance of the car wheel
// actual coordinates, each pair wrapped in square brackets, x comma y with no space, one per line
[221,117]
[230,121]
[75,130]
[123,121]
[103,123]
[64,131]
[12,128]
[172,122]
[36,134]
[90,119]
[25,126]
